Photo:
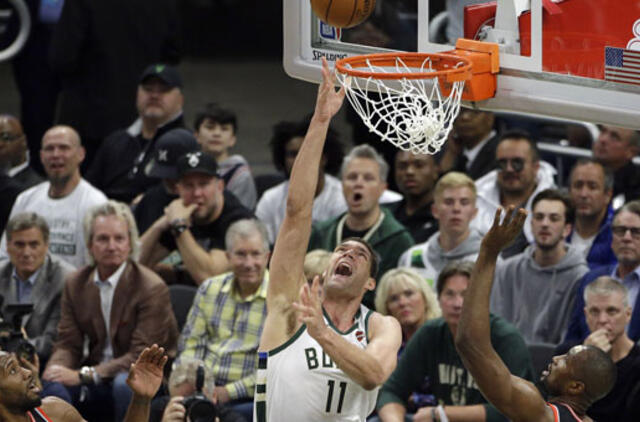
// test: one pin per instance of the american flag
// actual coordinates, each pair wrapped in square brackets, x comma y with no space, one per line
[622,65]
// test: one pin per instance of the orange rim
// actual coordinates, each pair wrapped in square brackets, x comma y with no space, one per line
[454,68]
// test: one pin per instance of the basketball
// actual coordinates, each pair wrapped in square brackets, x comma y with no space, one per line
[343,13]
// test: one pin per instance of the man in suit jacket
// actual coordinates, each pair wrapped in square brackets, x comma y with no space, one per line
[31,275]
[137,303]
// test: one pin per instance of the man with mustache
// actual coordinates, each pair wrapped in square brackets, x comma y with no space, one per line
[519,177]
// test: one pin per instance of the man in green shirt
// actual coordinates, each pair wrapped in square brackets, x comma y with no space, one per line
[430,358]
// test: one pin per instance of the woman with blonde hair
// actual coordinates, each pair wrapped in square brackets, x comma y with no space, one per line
[404,294]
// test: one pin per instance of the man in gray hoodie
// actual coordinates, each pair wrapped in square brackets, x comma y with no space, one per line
[535,290]
[454,207]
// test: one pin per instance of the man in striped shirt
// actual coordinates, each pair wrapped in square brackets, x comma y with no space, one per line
[225,322]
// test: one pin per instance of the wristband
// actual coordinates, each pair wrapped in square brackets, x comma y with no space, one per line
[442,415]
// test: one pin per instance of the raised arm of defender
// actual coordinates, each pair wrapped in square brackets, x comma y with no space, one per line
[286,268]
[517,399]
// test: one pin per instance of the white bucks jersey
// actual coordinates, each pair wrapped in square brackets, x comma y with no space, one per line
[299,382]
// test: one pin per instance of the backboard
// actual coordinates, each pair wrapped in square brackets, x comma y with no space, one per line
[566,59]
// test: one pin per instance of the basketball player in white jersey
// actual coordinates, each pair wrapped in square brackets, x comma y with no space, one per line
[323,354]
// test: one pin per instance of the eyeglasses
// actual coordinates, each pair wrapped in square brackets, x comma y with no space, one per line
[517,164]
[620,231]
[10,137]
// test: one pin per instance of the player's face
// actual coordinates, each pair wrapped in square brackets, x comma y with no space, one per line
[558,373]
[587,190]
[110,244]
[157,101]
[416,174]
[216,138]
[349,269]
[548,224]
[626,246]
[517,171]
[27,250]
[607,312]
[362,185]
[613,147]
[18,390]
[406,304]
[248,258]
[455,208]
[203,190]
[452,298]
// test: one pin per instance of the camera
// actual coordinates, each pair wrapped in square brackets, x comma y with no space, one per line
[198,407]
[11,338]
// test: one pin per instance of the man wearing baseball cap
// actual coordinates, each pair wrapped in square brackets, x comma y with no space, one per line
[163,168]
[118,168]
[195,224]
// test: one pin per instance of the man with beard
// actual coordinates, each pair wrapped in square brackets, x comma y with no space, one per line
[63,199]
[471,146]
[535,290]
[574,380]
[519,177]
[20,390]
[195,224]
[590,189]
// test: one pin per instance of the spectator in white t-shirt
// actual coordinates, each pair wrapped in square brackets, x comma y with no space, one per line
[63,199]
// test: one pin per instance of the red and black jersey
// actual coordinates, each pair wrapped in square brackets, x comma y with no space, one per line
[38,415]
[563,413]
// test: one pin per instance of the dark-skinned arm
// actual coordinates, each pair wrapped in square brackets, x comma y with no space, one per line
[517,399]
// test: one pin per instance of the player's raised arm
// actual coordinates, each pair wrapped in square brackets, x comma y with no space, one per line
[286,269]
[516,398]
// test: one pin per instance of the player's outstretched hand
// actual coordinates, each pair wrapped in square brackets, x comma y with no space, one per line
[145,376]
[309,308]
[329,100]
[503,233]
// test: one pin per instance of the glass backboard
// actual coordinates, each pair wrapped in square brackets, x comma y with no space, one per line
[571,59]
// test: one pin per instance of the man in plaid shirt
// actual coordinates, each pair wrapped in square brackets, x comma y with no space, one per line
[225,322]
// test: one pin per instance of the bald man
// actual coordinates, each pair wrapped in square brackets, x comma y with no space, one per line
[63,199]
[14,157]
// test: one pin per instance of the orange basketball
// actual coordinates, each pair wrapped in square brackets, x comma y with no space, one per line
[343,13]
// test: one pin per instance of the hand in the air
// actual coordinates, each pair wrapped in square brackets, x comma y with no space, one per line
[329,100]
[309,308]
[145,376]
[503,233]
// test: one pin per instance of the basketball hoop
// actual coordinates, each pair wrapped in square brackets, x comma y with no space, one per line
[412,99]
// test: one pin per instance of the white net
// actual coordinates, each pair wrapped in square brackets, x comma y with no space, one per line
[412,114]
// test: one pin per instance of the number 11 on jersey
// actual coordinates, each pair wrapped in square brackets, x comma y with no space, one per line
[343,389]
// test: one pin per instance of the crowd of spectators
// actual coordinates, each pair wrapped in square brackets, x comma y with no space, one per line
[101,291]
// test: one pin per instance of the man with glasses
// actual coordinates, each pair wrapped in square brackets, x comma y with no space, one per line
[225,322]
[14,158]
[626,246]
[520,176]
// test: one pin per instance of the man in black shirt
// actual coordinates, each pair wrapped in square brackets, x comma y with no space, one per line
[416,176]
[118,167]
[196,223]
[170,146]
[608,313]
